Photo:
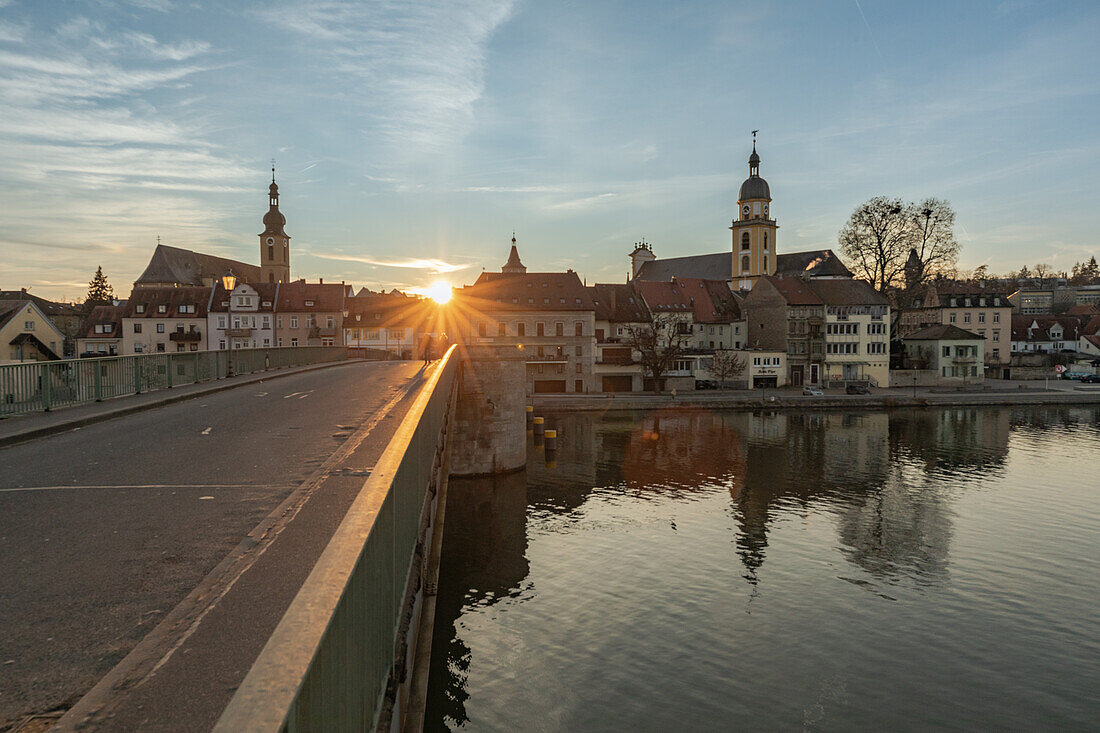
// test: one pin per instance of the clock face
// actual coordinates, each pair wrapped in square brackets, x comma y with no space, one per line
[745,209]
[270,240]
[765,209]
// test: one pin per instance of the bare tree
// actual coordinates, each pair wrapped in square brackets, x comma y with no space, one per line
[660,341]
[880,235]
[1042,271]
[727,365]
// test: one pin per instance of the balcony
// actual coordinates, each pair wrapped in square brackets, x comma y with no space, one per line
[187,337]
[239,333]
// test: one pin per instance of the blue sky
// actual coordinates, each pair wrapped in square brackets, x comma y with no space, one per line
[413,137]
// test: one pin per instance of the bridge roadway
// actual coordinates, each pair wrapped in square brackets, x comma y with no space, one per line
[208,513]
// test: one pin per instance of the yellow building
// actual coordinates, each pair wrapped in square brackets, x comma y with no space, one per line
[26,334]
[754,231]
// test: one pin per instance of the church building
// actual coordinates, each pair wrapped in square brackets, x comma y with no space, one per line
[754,248]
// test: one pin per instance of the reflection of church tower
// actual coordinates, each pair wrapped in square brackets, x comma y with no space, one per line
[274,241]
[754,249]
[513,266]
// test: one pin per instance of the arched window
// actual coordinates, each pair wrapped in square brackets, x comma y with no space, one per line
[745,240]
[765,263]
[745,264]
[270,252]
[765,241]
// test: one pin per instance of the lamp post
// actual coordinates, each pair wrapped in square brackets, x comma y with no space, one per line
[229,282]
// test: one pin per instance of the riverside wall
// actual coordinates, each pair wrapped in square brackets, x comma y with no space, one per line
[490,419]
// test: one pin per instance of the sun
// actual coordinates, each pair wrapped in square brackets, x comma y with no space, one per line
[438,291]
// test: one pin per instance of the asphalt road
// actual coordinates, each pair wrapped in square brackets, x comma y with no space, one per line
[105,529]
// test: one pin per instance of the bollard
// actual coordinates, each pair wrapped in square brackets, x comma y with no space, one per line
[530,416]
[550,439]
[539,425]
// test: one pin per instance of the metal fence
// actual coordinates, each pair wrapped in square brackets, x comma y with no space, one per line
[45,385]
[328,662]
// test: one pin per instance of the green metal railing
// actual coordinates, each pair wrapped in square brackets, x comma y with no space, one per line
[327,665]
[46,385]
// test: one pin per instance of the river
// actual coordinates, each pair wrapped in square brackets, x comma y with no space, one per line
[834,571]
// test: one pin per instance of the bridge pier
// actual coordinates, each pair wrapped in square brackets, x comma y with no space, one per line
[491,413]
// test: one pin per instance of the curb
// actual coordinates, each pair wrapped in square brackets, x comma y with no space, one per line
[169,399]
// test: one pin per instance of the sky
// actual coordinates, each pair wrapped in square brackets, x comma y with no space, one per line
[412,138]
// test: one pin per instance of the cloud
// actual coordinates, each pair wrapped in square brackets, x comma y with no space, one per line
[582,203]
[436,266]
[12,32]
[418,67]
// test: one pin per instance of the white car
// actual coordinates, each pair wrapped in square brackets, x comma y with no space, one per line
[812,391]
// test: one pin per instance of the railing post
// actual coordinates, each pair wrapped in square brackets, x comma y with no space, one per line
[44,370]
[168,370]
[137,374]
[97,379]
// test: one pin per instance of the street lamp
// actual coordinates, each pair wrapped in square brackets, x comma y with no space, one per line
[229,282]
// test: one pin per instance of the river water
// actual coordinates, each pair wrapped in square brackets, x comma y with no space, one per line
[706,570]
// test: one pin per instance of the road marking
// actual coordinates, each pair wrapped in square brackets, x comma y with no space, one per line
[304,396]
[292,394]
[261,394]
[206,432]
[145,486]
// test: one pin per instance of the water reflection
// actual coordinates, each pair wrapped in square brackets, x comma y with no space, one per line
[883,484]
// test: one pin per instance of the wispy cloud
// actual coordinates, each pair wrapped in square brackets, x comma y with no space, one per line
[418,67]
[435,266]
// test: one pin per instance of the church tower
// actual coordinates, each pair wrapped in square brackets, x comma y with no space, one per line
[754,240]
[514,266]
[274,241]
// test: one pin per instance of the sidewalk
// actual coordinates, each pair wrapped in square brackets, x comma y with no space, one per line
[21,428]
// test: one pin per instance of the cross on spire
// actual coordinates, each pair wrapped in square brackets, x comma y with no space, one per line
[273,170]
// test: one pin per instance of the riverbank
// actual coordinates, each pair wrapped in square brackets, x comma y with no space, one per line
[790,398]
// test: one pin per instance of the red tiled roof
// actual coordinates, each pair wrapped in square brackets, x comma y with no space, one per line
[324,296]
[618,303]
[104,315]
[794,290]
[172,298]
[391,311]
[555,291]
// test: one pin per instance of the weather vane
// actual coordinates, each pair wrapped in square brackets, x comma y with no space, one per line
[273,170]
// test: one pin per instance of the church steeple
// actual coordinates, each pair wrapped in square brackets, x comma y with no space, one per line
[274,241]
[513,266]
[754,231]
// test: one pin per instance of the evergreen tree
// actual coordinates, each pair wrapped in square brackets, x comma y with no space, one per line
[100,291]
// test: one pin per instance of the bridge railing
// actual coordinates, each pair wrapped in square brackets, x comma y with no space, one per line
[46,385]
[329,661]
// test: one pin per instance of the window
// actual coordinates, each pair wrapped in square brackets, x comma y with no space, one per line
[953,317]
[162,308]
[482,328]
[876,347]
[267,321]
[279,342]
[765,241]
[501,329]
[139,348]
[267,342]
[330,322]
[996,336]
[996,353]
[579,366]
[221,322]
[160,347]
[745,264]
[981,318]
[579,352]
[137,328]
[947,351]
[160,328]
[521,329]
[294,342]
[540,329]
[966,318]
[278,321]
[139,308]
[996,317]
[578,329]
[559,329]
[294,323]
[309,304]
[187,309]
[745,240]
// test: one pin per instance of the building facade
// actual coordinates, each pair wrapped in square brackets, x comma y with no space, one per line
[27,334]
[971,307]
[165,319]
[244,318]
[309,314]
[952,353]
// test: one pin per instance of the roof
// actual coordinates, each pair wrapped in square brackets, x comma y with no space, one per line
[325,297]
[389,311]
[48,307]
[267,293]
[1037,328]
[171,298]
[1092,326]
[754,187]
[814,263]
[554,291]
[618,303]
[8,309]
[794,290]
[30,338]
[718,266]
[176,266]
[846,292]
[103,315]
[1093,339]
[1083,310]
[943,332]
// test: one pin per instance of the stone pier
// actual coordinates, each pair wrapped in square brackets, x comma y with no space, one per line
[491,422]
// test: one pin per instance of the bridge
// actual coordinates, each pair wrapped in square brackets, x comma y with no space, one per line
[252,554]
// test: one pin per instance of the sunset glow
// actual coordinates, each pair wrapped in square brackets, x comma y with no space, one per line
[438,291]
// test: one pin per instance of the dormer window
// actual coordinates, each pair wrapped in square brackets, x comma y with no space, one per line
[309,304]
[139,308]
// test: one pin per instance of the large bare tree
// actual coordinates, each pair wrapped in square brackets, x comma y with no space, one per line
[881,233]
[659,341]
[727,365]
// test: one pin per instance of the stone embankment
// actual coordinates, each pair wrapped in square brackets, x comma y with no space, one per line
[790,399]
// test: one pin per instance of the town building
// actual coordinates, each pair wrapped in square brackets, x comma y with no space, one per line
[171,267]
[618,310]
[970,306]
[164,319]
[1045,334]
[549,314]
[394,324]
[951,353]
[1053,299]
[309,314]
[101,332]
[66,317]
[27,334]
[274,241]
[832,330]
[244,318]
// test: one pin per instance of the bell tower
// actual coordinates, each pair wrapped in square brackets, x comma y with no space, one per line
[274,241]
[754,231]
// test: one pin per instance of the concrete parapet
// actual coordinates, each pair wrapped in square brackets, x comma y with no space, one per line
[491,422]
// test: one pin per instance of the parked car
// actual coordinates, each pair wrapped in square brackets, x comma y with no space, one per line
[1091,378]
[857,389]
[812,391]
[706,384]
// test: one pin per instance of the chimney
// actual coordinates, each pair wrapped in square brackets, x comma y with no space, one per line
[321,280]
